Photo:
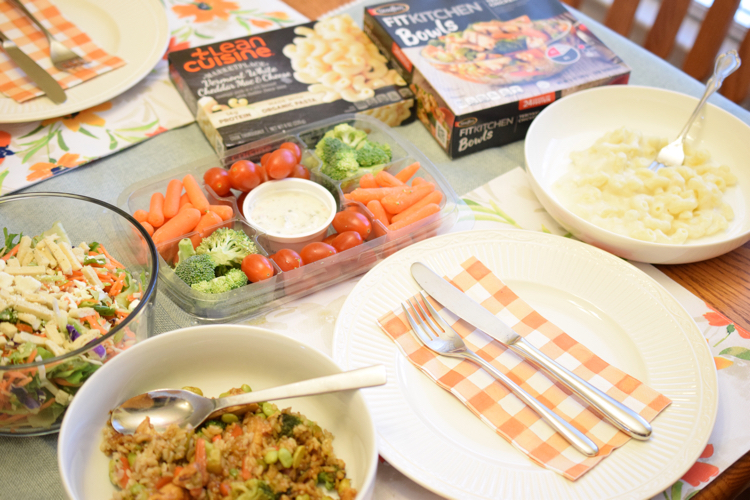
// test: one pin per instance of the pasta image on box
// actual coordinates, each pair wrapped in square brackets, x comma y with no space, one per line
[244,89]
[483,69]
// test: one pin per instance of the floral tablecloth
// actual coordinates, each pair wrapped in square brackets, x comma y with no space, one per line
[508,201]
[34,151]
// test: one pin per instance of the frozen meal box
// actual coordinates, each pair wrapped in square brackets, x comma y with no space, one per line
[244,89]
[482,70]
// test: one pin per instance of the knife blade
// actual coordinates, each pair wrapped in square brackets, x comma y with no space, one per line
[466,308]
[36,73]
[455,300]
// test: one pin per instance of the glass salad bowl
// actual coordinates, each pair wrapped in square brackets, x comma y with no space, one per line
[77,287]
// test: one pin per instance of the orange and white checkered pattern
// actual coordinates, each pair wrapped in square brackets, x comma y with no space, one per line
[497,406]
[15,25]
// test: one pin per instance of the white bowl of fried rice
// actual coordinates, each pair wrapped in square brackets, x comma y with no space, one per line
[282,450]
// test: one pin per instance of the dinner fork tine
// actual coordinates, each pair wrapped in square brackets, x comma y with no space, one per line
[62,57]
[448,343]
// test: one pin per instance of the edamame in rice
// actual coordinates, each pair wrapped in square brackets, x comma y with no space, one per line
[265,454]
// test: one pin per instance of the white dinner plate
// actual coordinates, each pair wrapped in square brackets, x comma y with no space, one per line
[614,309]
[134,30]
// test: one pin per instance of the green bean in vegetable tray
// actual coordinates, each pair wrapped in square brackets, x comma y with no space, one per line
[55,299]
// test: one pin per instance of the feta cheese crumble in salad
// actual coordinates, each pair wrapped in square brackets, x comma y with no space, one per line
[55,299]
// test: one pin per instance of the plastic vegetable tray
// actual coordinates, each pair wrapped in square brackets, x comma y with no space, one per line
[256,298]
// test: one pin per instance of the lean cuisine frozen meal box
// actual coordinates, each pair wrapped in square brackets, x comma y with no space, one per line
[483,69]
[243,89]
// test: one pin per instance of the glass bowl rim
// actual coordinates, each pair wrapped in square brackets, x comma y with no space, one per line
[147,293]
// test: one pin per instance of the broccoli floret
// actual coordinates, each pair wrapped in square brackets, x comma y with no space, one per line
[327,147]
[288,423]
[227,247]
[255,489]
[342,165]
[184,250]
[371,153]
[328,479]
[196,268]
[235,278]
[348,134]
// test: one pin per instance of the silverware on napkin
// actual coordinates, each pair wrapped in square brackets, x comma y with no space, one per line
[62,57]
[469,310]
[37,74]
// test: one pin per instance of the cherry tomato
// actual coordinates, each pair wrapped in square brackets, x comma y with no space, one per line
[329,239]
[287,259]
[293,148]
[352,221]
[316,251]
[346,240]
[241,201]
[257,267]
[300,172]
[262,172]
[264,159]
[280,164]
[244,176]
[218,179]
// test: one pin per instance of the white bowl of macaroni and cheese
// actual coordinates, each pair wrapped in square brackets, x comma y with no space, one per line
[588,155]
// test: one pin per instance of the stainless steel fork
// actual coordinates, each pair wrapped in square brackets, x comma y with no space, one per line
[444,340]
[672,155]
[62,57]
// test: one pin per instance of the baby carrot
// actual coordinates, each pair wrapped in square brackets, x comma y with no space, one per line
[434,197]
[156,210]
[398,202]
[407,172]
[186,205]
[148,227]
[367,181]
[209,219]
[140,215]
[384,179]
[172,198]
[182,223]
[223,211]
[420,214]
[197,198]
[417,181]
[379,212]
[184,199]
[365,195]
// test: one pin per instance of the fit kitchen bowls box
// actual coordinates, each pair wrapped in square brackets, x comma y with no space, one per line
[482,70]
[244,89]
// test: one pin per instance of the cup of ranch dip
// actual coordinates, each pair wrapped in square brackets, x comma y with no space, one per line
[290,212]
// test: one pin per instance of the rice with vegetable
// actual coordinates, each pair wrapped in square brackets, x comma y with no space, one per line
[267,454]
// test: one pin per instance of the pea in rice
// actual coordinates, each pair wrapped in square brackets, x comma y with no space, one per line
[267,454]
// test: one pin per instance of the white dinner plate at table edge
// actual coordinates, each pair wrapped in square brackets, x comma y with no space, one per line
[616,310]
[134,30]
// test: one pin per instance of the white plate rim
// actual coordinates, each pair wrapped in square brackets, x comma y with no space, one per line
[705,415]
[113,83]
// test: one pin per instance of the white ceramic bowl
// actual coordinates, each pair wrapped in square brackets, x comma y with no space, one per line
[214,358]
[576,121]
[296,242]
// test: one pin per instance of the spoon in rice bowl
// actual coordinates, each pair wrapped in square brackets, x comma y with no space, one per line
[164,407]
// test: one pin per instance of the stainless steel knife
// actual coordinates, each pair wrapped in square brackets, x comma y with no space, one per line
[37,74]
[469,310]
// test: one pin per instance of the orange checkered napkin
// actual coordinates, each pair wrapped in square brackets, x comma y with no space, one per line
[497,406]
[15,25]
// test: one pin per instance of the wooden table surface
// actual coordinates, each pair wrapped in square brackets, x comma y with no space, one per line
[723,282]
